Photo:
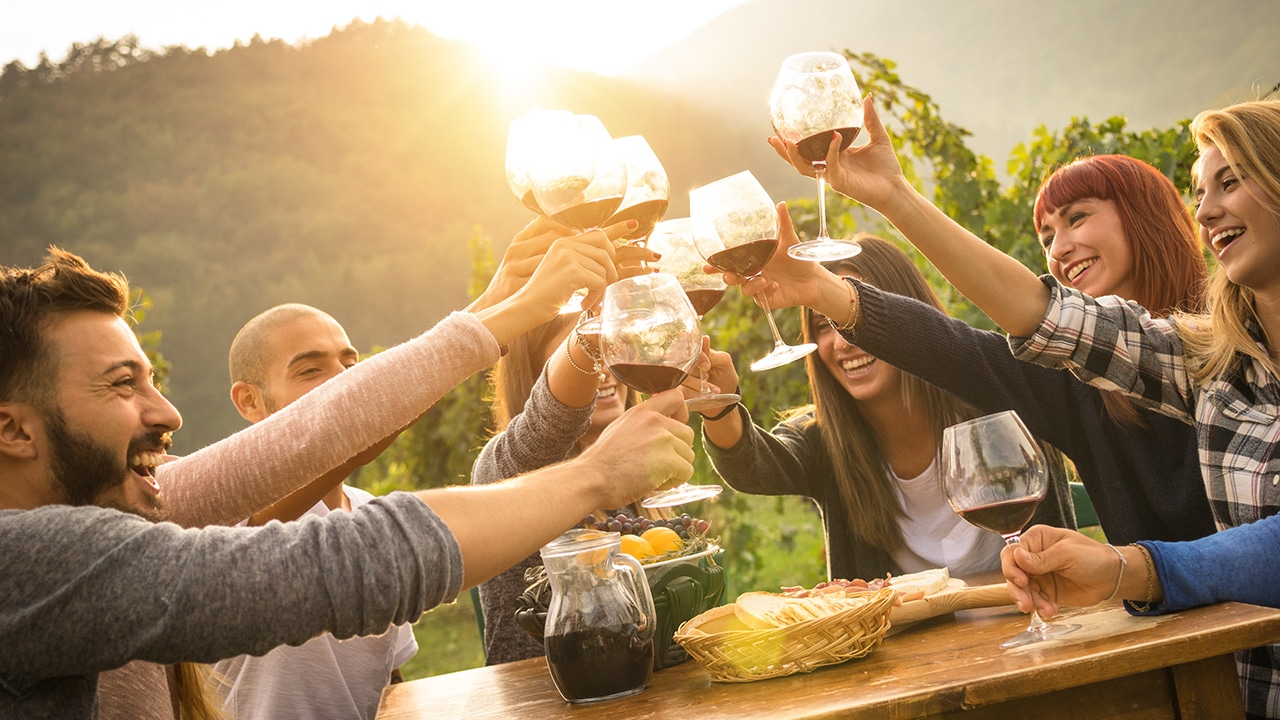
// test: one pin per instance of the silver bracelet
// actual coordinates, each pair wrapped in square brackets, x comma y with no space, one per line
[1123,563]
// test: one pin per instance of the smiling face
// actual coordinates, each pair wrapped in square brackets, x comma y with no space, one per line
[1239,224]
[109,427]
[304,352]
[1086,248]
[865,377]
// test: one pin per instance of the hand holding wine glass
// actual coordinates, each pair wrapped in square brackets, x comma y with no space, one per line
[649,339]
[814,98]
[870,174]
[994,476]
[735,228]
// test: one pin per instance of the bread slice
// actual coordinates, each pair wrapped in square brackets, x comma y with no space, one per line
[764,611]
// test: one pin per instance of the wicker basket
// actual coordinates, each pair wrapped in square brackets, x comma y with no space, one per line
[733,653]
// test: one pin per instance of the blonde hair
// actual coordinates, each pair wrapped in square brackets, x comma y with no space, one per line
[1248,136]
[198,696]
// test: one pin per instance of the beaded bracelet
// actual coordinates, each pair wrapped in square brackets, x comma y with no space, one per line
[1123,564]
[1151,573]
[854,307]
[569,354]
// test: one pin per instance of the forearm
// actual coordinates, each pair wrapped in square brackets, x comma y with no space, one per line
[1001,286]
[532,510]
[238,476]
[1236,564]
[544,433]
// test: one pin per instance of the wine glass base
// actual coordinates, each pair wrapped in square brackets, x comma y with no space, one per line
[782,355]
[1040,634]
[686,493]
[822,250]
[711,400]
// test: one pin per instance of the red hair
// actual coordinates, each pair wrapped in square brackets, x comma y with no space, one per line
[1169,269]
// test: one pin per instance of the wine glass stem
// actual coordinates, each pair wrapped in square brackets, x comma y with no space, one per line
[1037,624]
[768,315]
[820,174]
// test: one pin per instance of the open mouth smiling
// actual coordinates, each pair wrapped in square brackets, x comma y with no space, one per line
[144,465]
[1075,271]
[1222,238]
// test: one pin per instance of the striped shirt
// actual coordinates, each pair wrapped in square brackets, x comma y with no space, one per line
[1114,344]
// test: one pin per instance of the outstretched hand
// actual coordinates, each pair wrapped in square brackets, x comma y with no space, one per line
[648,447]
[869,173]
[785,282]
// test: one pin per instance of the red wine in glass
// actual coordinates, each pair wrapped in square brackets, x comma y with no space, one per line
[588,215]
[747,259]
[648,379]
[814,147]
[704,299]
[1002,518]
[646,213]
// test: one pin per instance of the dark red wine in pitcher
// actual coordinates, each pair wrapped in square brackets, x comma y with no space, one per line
[747,259]
[814,147]
[703,300]
[1002,518]
[648,379]
[599,663]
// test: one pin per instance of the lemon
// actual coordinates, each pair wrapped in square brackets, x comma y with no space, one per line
[637,547]
[662,539]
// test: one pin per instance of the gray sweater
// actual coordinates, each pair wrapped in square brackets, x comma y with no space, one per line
[88,589]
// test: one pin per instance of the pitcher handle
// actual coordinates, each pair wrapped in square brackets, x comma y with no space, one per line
[640,594]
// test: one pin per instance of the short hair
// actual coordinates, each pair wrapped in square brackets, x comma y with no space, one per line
[31,302]
[1169,271]
[251,349]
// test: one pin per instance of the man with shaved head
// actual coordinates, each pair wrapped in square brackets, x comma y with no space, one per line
[276,358]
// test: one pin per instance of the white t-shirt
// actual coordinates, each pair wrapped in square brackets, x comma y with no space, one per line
[935,535]
[323,678]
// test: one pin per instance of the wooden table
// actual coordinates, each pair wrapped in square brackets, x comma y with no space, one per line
[1116,665]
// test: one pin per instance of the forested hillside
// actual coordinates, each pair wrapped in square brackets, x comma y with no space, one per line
[348,173]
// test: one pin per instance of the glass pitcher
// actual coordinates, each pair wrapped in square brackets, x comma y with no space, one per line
[601,621]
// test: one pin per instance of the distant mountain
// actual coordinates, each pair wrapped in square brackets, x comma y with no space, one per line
[997,67]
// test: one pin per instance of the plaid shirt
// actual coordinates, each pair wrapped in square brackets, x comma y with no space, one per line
[1114,344]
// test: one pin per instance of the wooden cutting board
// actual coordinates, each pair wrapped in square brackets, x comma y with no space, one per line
[957,596]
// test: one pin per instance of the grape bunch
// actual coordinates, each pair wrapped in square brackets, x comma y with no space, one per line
[684,526]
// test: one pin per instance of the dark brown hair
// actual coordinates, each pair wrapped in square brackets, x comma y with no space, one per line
[31,300]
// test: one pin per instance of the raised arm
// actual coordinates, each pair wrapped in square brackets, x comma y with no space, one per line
[1000,285]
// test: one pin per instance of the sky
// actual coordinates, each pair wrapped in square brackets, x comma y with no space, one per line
[602,36]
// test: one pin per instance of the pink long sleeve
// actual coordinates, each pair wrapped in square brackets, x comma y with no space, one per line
[239,475]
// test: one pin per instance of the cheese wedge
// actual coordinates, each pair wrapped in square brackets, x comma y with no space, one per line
[927,582]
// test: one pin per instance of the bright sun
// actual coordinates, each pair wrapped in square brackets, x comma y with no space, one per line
[600,36]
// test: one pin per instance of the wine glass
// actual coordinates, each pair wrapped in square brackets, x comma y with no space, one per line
[673,240]
[581,178]
[649,339]
[815,96]
[735,227]
[564,166]
[648,188]
[526,150]
[994,477]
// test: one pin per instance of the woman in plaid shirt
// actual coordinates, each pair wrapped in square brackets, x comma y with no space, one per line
[1217,371]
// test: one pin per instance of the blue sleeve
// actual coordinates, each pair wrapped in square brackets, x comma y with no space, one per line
[1237,564]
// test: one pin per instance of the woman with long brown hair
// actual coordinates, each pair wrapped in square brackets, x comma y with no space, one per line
[866,451]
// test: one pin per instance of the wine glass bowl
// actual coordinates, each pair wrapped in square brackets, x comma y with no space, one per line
[649,340]
[673,241]
[815,96]
[582,177]
[648,189]
[735,228]
[527,150]
[995,477]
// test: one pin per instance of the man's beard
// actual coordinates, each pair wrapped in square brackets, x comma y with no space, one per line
[89,474]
